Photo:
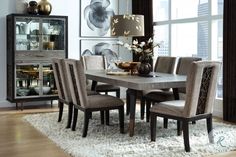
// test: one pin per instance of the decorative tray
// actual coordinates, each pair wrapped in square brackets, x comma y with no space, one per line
[117,73]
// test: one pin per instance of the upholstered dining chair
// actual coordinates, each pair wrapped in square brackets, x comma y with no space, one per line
[86,103]
[62,85]
[99,62]
[183,66]
[164,64]
[63,90]
[198,104]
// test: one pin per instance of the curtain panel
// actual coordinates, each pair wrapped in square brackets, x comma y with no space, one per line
[229,61]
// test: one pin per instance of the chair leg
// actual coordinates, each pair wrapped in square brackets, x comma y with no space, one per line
[153,124]
[102,117]
[165,123]
[121,119]
[186,136]
[118,93]
[61,106]
[70,112]
[127,103]
[86,123]
[209,129]
[179,127]
[148,105]
[90,115]
[74,119]
[142,107]
[107,117]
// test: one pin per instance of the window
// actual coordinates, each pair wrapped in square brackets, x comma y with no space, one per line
[190,28]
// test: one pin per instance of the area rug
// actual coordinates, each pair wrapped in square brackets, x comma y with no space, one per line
[106,141]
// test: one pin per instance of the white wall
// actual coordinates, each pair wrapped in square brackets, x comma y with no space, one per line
[69,8]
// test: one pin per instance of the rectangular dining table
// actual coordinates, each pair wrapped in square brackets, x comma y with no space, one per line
[138,83]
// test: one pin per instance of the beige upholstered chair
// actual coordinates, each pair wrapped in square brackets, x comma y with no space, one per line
[98,62]
[63,90]
[200,95]
[164,64]
[85,103]
[183,66]
[62,85]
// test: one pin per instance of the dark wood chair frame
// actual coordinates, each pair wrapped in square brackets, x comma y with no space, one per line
[87,113]
[182,125]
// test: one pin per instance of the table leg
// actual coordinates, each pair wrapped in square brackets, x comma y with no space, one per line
[132,112]
[176,93]
[94,84]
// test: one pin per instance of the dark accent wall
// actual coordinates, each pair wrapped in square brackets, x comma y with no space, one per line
[144,7]
[229,61]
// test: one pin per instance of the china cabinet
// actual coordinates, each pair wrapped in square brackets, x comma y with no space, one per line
[32,41]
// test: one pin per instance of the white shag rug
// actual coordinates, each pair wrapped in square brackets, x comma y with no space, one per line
[106,141]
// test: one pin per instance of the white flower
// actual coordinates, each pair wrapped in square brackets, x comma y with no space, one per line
[135,42]
[142,48]
[142,44]
[150,40]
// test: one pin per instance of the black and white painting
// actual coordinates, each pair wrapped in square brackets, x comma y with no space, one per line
[96,16]
[108,48]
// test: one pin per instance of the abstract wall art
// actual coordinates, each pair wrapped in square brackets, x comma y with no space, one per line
[96,16]
[106,47]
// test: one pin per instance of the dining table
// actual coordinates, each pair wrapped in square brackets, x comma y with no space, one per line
[138,83]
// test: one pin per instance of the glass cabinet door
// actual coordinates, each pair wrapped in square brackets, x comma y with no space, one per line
[27,80]
[27,33]
[34,80]
[48,87]
[39,34]
[53,34]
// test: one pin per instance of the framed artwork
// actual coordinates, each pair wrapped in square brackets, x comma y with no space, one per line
[106,47]
[96,16]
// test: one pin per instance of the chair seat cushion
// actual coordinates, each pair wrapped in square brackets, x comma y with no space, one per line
[175,108]
[159,95]
[106,87]
[101,101]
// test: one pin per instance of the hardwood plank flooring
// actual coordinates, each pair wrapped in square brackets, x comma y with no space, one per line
[20,139]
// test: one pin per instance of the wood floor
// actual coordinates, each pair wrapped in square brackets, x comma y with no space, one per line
[20,139]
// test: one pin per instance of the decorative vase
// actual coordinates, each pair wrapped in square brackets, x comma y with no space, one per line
[145,67]
[44,7]
[33,8]
[21,6]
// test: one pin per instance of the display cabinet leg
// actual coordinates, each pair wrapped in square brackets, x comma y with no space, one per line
[51,103]
[21,106]
[16,106]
